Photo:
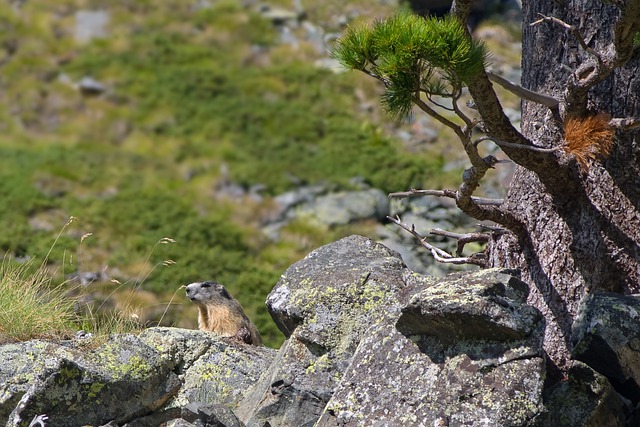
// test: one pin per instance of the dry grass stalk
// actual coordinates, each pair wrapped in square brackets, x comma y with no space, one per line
[588,138]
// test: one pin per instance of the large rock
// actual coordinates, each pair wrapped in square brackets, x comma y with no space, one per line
[76,385]
[487,305]
[372,343]
[606,336]
[465,351]
[324,304]
[586,399]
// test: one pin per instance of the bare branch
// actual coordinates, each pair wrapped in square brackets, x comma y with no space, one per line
[437,253]
[444,193]
[518,146]
[463,239]
[627,123]
[529,95]
[433,113]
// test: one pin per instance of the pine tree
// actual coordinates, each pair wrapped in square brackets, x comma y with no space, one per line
[571,219]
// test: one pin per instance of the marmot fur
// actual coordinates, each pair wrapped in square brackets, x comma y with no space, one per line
[219,312]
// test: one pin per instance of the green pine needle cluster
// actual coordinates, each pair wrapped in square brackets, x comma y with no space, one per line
[412,55]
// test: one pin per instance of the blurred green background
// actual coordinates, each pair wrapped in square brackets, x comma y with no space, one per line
[183,99]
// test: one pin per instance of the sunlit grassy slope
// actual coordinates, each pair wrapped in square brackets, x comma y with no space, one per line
[190,92]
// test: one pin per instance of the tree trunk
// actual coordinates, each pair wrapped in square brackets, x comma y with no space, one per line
[586,239]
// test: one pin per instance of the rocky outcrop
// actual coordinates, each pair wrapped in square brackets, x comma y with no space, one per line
[369,342]
[125,379]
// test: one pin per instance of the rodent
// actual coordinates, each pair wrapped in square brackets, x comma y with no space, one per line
[219,312]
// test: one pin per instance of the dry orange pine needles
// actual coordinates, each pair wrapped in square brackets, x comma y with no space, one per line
[588,138]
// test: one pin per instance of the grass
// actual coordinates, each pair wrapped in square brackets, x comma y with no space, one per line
[31,307]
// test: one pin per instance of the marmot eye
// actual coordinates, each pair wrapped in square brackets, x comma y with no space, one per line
[206,284]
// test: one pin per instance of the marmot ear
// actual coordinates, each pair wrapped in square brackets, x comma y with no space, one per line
[223,291]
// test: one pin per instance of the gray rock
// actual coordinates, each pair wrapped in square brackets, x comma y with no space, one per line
[75,384]
[91,24]
[392,382]
[74,387]
[213,370]
[192,415]
[606,336]
[346,207]
[324,304]
[587,399]
[90,87]
[486,305]
[426,371]
[279,16]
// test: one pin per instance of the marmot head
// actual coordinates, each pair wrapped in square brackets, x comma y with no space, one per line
[203,293]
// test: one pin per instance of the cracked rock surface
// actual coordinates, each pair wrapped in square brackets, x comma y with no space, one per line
[369,342]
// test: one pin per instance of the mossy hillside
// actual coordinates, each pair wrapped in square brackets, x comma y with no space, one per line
[188,91]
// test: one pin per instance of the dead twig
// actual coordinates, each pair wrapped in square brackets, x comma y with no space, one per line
[437,253]
[462,239]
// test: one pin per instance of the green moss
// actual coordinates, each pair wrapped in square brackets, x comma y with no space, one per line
[94,389]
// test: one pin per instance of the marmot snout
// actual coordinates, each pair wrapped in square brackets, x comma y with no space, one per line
[219,312]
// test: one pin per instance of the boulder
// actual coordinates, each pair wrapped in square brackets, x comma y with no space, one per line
[372,343]
[486,305]
[75,384]
[445,363]
[606,336]
[324,304]
[346,207]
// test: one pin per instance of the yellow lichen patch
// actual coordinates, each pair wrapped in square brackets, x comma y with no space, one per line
[588,138]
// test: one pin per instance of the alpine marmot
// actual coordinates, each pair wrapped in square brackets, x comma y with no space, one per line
[221,313]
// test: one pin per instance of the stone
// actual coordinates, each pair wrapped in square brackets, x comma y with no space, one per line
[585,398]
[606,336]
[346,207]
[392,382]
[74,383]
[489,305]
[444,363]
[324,304]
[89,86]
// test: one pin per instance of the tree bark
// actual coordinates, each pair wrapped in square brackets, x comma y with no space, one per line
[584,236]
